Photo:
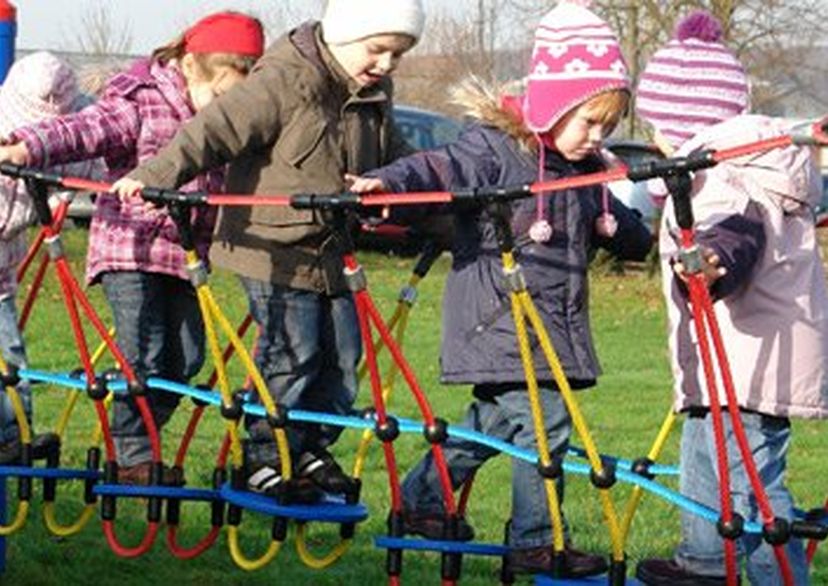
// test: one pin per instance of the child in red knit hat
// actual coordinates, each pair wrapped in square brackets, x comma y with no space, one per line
[135,253]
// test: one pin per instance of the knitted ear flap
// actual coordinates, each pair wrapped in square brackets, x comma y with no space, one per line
[540,230]
[606,225]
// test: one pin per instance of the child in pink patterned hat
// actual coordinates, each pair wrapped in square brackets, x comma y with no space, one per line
[577,92]
[38,87]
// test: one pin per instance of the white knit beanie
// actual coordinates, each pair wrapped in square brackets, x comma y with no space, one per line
[346,21]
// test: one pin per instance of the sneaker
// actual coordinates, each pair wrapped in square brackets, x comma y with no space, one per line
[657,572]
[267,480]
[139,475]
[432,526]
[321,468]
[539,560]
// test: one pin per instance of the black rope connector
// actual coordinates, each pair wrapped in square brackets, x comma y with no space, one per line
[217,506]
[552,470]
[97,389]
[278,532]
[347,530]
[617,572]
[777,532]
[604,479]
[201,402]
[93,462]
[393,559]
[108,504]
[235,410]
[137,388]
[641,467]
[809,529]
[437,432]
[733,529]
[279,418]
[388,431]
[10,378]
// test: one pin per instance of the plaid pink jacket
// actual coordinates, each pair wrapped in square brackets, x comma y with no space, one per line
[139,112]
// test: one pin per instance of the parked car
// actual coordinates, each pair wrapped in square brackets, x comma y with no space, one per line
[635,195]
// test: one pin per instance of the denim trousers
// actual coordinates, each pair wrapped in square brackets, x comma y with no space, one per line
[14,353]
[308,350]
[159,329]
[701,549]
[506,416]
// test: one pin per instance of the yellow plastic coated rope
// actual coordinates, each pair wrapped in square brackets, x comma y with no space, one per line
[50,520]
[241,560]
[312,561]
[653,454]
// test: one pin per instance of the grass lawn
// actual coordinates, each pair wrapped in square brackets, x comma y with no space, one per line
[623,412]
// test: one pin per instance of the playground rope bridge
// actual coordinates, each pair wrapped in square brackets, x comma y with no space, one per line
[226,496]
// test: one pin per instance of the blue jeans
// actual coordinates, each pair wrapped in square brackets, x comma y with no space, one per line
[506,416]
[159,329]
[701,550]
[14,353]
[308,350]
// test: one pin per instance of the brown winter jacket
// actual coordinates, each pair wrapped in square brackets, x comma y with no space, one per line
[297,124]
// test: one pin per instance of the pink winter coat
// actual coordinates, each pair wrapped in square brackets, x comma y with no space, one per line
[775,322]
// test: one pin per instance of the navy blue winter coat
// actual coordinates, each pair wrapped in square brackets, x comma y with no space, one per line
[479,342]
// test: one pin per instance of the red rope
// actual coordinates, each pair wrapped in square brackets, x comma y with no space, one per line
[183,553]
[34,290]
[813,543]
[130,552]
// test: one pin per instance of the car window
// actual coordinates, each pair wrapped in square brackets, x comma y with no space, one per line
[423,129]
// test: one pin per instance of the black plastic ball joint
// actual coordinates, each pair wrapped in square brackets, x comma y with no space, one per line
[777,532]
[552,470]
[10,378]
[604,479]
[279,418]
[97,389]
[437,432]
[388,431]
[641,467]
[233,411]
[732,529]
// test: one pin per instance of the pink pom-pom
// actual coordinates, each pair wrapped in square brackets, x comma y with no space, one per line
[606,225]
[540,231]
[700,25]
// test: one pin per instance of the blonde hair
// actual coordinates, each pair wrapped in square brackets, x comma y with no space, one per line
[207,63]
[608,107]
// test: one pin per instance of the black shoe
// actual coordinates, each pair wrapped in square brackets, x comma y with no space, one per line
[657,572]
[433,526]
[540,560]
[43,444]
[267,480]
[321,468]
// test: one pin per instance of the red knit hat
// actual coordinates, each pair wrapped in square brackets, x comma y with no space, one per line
[576,57]
[226,32]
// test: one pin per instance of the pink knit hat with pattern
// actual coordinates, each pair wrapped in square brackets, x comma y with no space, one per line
[694,82]
[575,57]
[38,86]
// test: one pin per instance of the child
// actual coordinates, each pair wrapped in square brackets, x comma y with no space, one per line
[755,226]
[38,86]
[565,115]
[317,106]
[134,252]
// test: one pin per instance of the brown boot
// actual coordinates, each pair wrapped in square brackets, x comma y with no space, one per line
[539,560]
[139,474]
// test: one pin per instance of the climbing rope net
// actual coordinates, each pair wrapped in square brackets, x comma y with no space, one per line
[226,496]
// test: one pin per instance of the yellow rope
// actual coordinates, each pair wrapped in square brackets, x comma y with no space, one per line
[26,438]
[51,522]
[578,420]
[19,520]
[538,422]
[312,561]
[653,454]
[241,560]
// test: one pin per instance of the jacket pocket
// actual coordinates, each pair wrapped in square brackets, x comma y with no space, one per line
[300,139]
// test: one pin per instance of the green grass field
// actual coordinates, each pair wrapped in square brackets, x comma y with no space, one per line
[623,412]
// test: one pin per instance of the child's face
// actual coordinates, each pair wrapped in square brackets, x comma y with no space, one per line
[369,60]
[579,134]
[204,88]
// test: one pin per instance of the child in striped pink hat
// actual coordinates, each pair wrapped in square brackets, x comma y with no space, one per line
[695,81]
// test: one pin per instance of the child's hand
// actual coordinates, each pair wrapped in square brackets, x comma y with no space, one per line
[358,184]
[126,188]
[711,271]
[16,153]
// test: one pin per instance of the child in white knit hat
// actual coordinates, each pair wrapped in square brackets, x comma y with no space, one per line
[756,230]
[38,86]
[317,106]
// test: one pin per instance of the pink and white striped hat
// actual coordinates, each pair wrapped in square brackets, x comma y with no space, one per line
[575,57]
[694,82]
